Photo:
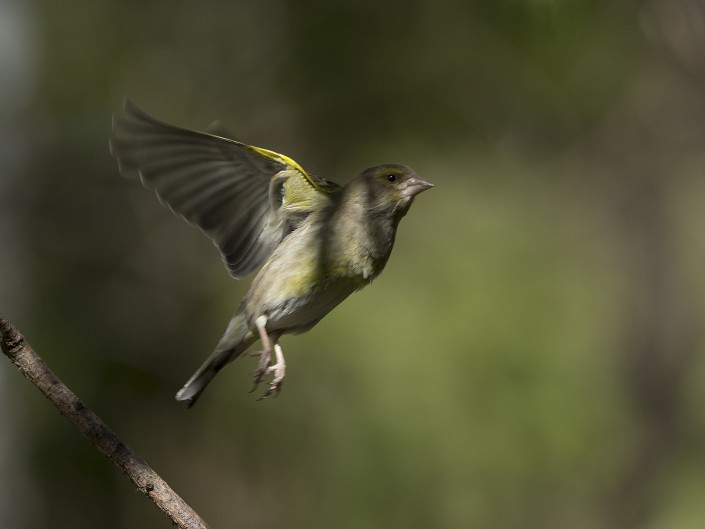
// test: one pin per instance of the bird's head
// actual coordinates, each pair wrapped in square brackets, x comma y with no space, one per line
[389,188]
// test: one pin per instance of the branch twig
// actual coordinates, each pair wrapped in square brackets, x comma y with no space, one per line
[30,364]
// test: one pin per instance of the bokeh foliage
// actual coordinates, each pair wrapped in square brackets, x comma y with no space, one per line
[531,357]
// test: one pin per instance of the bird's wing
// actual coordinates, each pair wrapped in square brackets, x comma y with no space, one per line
[232,191]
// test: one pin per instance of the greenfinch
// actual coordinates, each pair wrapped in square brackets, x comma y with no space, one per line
[317,242]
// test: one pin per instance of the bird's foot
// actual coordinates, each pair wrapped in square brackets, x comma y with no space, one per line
[279,370]
[265,358]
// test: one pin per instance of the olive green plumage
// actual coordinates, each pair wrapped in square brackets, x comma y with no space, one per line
[319,242]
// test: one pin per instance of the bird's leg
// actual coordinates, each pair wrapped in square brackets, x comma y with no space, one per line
[265,355]
[279,369]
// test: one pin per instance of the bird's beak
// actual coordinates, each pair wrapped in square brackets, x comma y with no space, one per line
[415,185]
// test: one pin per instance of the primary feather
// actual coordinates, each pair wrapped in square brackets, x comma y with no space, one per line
[244,198]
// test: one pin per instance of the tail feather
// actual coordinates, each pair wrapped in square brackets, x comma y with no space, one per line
[235,341]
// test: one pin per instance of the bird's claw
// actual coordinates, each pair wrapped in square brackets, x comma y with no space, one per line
[275,386]
[264,369]
[258,378]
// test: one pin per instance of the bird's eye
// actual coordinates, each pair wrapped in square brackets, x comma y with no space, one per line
[391,178]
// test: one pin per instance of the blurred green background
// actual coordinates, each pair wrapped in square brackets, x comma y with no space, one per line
[532,356]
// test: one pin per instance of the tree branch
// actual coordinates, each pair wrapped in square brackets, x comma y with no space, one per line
[18,350]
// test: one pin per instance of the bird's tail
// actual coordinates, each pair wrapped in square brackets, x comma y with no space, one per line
[235,341]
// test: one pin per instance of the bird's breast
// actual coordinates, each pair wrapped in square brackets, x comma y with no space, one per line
[299,314]
[314,268]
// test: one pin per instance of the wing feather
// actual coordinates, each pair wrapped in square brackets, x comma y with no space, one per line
[219,185]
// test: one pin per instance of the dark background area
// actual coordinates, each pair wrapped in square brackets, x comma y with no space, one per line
[531,357]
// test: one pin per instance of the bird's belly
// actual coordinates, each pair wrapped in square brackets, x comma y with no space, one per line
[299,314]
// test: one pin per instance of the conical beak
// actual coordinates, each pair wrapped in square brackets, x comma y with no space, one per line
[416,185]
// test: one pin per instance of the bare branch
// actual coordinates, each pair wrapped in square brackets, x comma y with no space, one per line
[17,349]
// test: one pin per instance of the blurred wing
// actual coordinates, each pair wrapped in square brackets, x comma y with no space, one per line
[230,190]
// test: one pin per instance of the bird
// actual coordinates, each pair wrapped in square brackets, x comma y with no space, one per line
[316,241]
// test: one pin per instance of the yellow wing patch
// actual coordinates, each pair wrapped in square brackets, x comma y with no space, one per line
[281,158]
[321,185]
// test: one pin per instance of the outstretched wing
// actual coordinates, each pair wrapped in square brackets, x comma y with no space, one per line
[232,191]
